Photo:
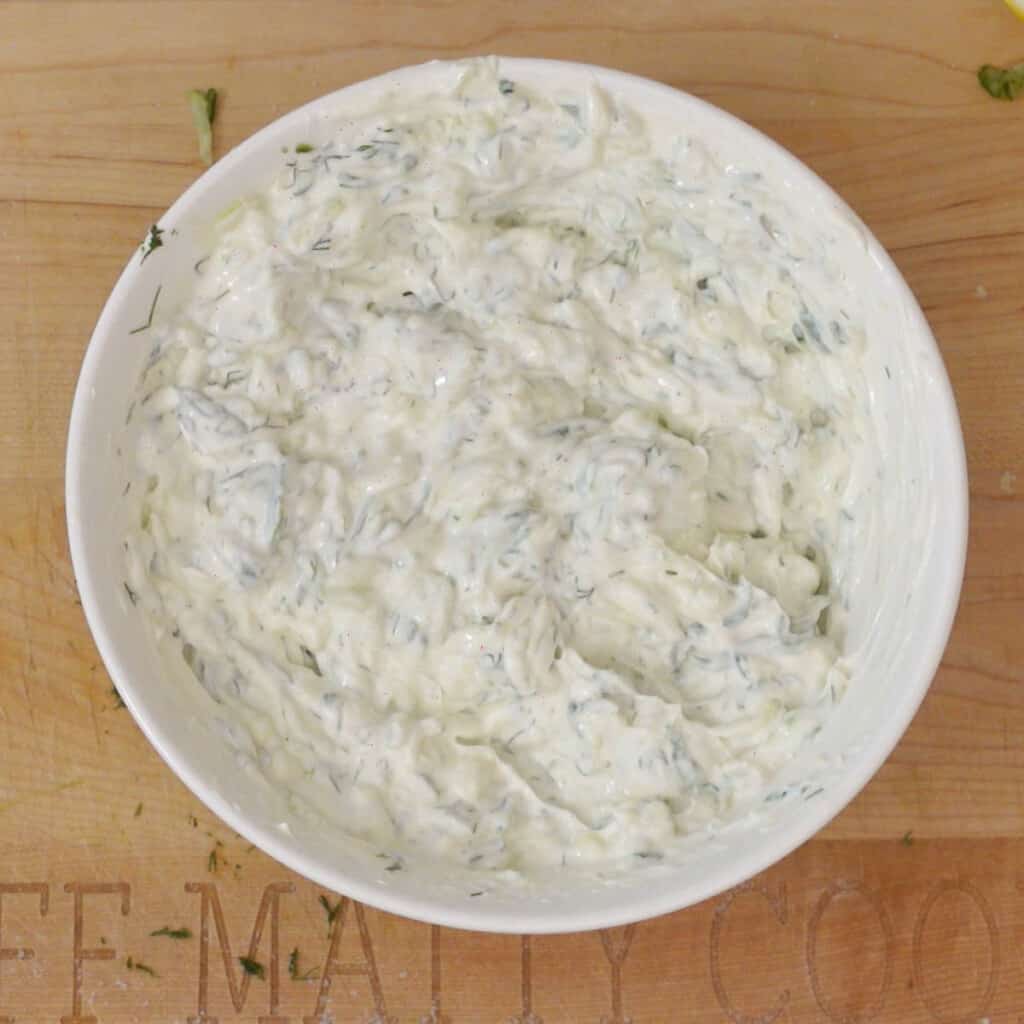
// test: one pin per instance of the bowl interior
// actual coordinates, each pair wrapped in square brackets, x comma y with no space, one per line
[905,580]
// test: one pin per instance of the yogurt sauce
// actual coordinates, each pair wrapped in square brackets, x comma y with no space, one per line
[498,472]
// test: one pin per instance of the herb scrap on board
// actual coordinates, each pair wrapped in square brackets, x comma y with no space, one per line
[295,971]
[1002,83]
[137,965]
[253,967]
[331,912]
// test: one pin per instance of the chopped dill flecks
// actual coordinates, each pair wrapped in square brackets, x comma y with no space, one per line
[296,973]
[331,912]
[253,967]
[138,965]
[152,241]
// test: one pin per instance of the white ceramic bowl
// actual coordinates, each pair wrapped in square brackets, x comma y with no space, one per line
[906,580]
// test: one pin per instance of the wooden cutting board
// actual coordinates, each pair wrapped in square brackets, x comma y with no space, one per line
[909,908]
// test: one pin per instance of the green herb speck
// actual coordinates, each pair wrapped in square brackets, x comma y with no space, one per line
[303,147]
[511,219]
[138,965]
[153,241]
[308,657]
[331,912]
[173,933]
[908,838]
[296,973]
[1002,83]
[253,967]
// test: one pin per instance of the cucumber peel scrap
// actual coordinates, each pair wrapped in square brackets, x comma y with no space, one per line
[203,105]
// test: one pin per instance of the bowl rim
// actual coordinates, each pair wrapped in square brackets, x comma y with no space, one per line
[658,899]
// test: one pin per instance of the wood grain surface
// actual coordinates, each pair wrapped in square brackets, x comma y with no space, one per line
[101,845]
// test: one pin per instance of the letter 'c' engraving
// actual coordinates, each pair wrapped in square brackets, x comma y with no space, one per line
[778,905]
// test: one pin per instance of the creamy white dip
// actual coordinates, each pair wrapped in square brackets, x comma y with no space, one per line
[496,476]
